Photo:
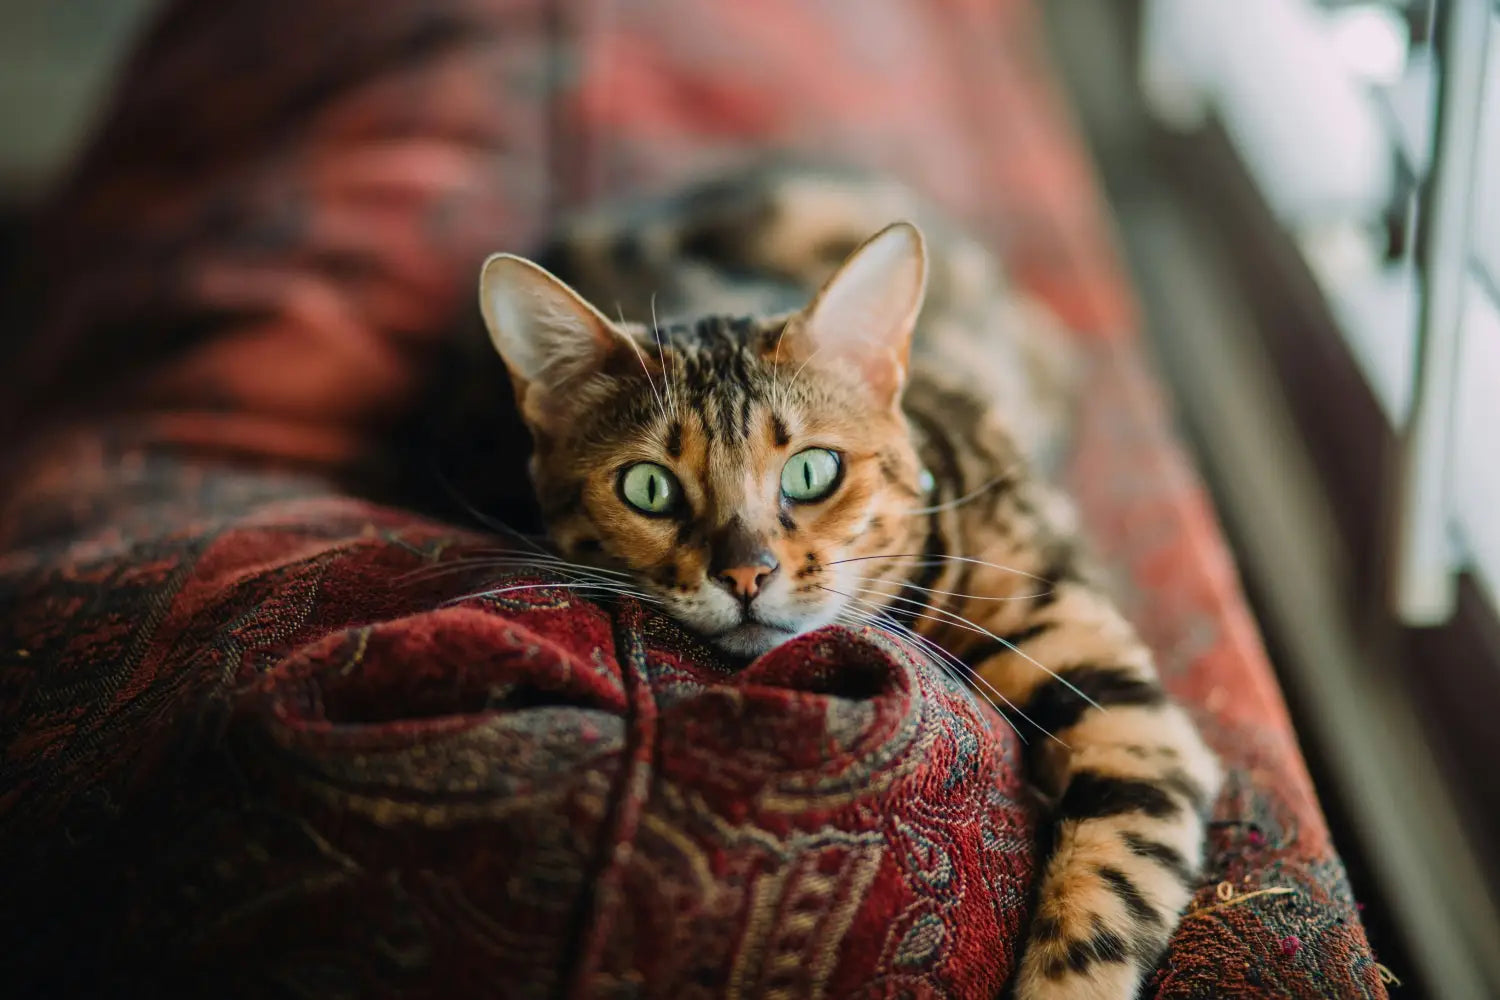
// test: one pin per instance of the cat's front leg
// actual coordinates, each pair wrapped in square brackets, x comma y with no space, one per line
[1127,845]
[1133,781]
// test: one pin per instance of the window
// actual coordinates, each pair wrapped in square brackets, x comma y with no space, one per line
[1373,132]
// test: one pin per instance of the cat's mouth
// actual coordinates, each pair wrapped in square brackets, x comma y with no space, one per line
[751,637]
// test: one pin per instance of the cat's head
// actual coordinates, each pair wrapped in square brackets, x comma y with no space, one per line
[751,474]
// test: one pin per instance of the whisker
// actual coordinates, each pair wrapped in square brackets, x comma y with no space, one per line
[963,672]
[610,575]
[477,565]
[929,559]
[978,491]
[853,616]
[946,662]
[524,559]
[620,591]
[449,569]
[481,517]
[498,557]
[964,623]
[866,619]
[953,619]
[903,584]
[923,648]
[661,353]
[777,397]
[793,380]
[503,551]
[641,357]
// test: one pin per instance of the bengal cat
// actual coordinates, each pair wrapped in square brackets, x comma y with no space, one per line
[792,442]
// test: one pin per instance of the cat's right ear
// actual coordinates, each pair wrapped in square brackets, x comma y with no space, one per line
[550,338]
[864,316]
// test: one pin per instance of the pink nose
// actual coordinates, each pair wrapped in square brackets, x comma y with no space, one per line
[745,581]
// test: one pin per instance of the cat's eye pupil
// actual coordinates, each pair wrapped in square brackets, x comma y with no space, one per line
[810,475]
[649,488]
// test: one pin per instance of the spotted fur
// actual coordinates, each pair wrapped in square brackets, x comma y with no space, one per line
[942,518]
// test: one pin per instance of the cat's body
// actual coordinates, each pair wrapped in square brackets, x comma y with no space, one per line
[763,469]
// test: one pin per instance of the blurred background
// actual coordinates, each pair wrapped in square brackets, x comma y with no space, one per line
[58,61]
[1308,195]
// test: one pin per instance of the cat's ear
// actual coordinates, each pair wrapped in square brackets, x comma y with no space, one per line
[550,338]
[865,314]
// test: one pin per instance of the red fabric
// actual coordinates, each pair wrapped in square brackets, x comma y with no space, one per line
[249,748]
[320,771]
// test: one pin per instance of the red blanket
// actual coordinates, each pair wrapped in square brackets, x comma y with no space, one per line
[249,743]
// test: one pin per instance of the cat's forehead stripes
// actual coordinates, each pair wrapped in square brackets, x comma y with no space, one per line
[715,370]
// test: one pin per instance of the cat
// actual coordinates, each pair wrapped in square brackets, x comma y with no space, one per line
[820,428]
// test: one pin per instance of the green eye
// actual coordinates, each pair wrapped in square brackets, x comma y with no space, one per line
[649,488]
[810,475]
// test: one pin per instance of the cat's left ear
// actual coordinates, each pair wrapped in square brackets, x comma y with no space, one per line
[550,338]
[865,314]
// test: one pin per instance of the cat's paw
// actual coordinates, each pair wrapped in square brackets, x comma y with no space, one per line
[1079,958]
[1048,974]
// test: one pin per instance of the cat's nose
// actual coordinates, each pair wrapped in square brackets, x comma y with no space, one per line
[741,560]
[745,582]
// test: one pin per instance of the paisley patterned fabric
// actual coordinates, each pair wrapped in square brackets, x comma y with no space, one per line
[257,738]
[277,746]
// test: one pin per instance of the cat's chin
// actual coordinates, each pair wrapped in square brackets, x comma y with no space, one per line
[751,639]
